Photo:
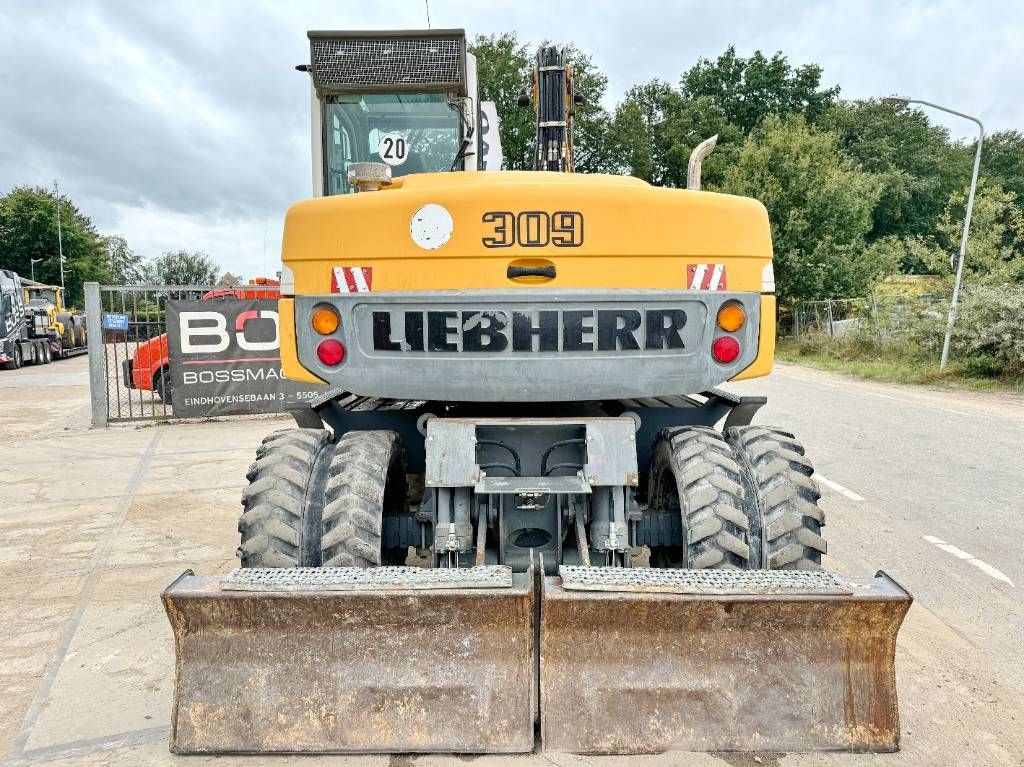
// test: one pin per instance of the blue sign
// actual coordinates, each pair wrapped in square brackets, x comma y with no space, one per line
[115,322]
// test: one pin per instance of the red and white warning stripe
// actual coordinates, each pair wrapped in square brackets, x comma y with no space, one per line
[705,276]
[351,279]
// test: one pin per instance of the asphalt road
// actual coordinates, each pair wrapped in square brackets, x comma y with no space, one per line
[923,484]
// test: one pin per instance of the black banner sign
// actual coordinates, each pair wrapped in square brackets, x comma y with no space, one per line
[225,358]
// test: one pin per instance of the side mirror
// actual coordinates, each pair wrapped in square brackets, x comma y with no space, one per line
[578,98]
[524,99]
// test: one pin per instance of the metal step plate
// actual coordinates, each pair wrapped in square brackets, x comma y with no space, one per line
[711,582]
[366,579]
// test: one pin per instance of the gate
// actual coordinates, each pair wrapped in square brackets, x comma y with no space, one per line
[128,364]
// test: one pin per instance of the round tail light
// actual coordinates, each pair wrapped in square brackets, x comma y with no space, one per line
[725,349]
[731,317]
[325,320]
[330,352]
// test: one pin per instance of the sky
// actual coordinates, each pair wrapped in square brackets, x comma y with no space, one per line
[185,124]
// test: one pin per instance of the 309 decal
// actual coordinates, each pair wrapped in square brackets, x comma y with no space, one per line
[533,229]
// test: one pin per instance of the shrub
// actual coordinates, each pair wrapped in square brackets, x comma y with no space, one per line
[990,330]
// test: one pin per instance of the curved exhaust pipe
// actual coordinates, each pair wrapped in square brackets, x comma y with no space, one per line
[702,150]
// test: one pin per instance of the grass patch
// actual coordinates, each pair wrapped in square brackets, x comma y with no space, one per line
[904,364]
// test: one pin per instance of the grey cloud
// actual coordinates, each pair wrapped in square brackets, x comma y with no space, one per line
[187,119]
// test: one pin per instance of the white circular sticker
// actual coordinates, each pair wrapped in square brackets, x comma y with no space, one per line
[431,226]
[393,148]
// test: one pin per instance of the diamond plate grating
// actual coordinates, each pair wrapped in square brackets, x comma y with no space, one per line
[366,579]
[367,63]
[715,582]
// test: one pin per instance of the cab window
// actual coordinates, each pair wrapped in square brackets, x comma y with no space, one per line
[411,132]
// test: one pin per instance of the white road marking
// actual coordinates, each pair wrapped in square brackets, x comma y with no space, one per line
[882,396]
[986,568]
[837,487]
[949,548]
[959,553]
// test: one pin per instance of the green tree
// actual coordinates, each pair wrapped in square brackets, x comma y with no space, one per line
[636,130]
[914,160]
[182,267]
[749,90]
[123,265]
[995,248]
[593,147]
[1002,159]
[502,70]
[28,230]
[656,129]
[820,204]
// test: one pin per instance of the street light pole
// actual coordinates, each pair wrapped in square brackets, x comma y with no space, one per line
[60,243]
[951,320]
[33,263]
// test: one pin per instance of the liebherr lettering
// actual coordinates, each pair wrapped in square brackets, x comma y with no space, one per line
[566,330]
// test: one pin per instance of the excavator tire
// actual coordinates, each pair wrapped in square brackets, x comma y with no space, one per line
[782,494]
[280,524]
[365,481]
[695,472]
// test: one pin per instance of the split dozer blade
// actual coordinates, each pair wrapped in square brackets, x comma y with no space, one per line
[644,661]
[389,659]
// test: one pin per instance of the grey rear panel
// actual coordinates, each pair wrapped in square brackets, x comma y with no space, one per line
[514,346]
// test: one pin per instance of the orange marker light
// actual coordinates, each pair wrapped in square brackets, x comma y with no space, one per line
[731,318]
[325,320]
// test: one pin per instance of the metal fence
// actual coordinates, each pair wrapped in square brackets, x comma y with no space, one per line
[842,316]
[128,368]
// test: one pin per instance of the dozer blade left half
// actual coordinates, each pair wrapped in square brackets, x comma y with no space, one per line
[351,660]
[648,660]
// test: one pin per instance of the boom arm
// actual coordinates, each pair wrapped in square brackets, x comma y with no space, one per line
[554,97]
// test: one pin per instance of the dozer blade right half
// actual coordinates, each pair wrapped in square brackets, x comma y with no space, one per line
[649,660]
[353,660]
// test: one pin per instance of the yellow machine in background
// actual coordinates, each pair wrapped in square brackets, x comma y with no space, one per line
[523,501]
[62,322]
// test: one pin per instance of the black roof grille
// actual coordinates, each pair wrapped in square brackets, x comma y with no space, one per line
[348,61]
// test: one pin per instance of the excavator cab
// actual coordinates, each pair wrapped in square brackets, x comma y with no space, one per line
[523,503]
[403,99]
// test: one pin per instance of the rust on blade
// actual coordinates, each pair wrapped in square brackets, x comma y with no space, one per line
[630,672]
[351,671]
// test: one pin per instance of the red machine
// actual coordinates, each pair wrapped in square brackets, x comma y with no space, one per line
[149,368]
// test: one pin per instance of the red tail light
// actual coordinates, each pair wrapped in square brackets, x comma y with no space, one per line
[725,349]
[330,352]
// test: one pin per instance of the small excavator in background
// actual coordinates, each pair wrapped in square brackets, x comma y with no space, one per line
[523,502]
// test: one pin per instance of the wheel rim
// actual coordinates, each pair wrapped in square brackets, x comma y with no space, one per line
[665,496]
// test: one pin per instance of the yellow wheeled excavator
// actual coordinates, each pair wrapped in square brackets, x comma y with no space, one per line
[523,501]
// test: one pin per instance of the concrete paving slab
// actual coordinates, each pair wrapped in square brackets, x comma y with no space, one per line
[52,539]
[185,528]
[33,614]
[119,661]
